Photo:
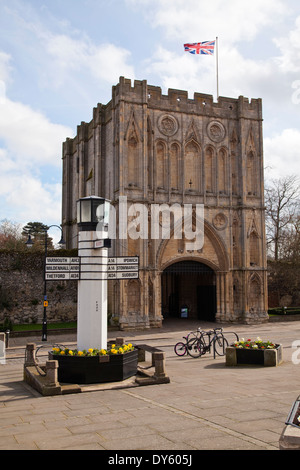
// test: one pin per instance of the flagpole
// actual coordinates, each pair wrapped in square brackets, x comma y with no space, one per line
[217,66]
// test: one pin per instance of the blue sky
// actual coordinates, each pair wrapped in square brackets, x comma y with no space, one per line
[59,58]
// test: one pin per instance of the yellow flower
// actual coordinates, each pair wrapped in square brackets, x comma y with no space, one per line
[71,353]
[125,348]
[130,345]
[121,350]
[62,352]
[91,350]
[113,346]
[103,351]
[114,351]
[80,353]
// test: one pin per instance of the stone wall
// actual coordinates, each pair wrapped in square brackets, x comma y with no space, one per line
[22,289]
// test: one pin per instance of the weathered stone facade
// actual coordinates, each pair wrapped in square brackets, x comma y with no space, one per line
[156,149]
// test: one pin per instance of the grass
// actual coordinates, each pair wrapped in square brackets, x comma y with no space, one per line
[38,327]
[281,311]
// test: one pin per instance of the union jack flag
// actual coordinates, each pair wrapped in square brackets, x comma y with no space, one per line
[206,47]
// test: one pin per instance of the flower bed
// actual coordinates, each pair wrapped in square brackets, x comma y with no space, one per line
[95,365]
[257,352]
[112,350]
[253,344]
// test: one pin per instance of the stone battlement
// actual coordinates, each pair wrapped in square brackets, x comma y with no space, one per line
[177,100]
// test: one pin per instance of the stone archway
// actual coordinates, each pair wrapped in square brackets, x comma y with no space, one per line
[213,256]
[188,290]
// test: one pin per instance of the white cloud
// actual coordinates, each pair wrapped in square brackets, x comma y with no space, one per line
[180,71]
[29,136]
[29,140]
[289,61]
[232,20]
[109,62]
[282,153]
[71,59]
[198,73]
[30,199]
[103,61]
[240,26]
[5,67]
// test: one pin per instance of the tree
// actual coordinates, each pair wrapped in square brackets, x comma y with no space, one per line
[292,241]
[34,228]
[37,231]
[11,236]
[282,197]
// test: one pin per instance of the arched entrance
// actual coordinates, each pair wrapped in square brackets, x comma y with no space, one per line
[189,285]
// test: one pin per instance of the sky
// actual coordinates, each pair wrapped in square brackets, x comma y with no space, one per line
[60,58]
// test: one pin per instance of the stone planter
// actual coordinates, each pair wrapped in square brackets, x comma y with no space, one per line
[265,357]
[96,369]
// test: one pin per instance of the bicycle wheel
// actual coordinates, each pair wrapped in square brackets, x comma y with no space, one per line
[220,345]
[202,346]
[180,349]
[194,347]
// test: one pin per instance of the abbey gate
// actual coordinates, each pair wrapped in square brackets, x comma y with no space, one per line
[155,149]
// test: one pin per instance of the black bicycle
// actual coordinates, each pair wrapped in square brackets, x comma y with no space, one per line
[199,342]
[212,339]
[190,346]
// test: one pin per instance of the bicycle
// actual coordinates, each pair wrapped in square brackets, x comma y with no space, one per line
[213,339]
[190,346]
[199,342]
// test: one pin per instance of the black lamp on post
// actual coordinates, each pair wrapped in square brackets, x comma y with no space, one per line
[29,244]
[91,211]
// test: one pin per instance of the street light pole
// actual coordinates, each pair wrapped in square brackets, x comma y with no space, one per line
[61,242]
[30,243]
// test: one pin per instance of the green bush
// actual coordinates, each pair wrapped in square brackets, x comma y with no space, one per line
[284,311]
[6,325]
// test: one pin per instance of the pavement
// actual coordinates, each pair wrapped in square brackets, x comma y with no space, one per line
[206,406]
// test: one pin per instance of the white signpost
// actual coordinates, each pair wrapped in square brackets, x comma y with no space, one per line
[102,268]
[62,269]
[88,269]
[96,268]
[92,265]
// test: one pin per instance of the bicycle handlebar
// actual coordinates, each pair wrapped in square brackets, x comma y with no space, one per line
[199,330]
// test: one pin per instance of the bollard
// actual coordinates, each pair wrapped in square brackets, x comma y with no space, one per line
[52,373]
[159,362]
[2,348]
[120,341]
[30,355]
[141,355]
[7,337]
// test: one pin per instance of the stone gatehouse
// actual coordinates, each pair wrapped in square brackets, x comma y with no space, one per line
[170,149]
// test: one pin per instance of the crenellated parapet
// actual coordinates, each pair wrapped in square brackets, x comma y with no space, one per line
[178,101]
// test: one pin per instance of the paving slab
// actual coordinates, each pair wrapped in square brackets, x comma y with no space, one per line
[206,406]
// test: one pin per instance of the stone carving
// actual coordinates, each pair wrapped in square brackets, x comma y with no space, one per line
[167,125]
[220,221]
[216,131]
